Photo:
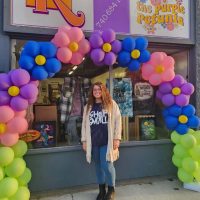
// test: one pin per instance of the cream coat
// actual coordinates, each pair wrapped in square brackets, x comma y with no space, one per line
[114,132]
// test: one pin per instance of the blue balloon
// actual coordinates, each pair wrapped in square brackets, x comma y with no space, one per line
[171,122]
[141,43]
[26,62]
[128,44]
[188,110]
[182,129]
[124,58]
[53,65]
[165,112]
[48,49]
[50,75]
[134,65]
[39,73]
[144,56]
[193,122]
[175,110]
[32,48]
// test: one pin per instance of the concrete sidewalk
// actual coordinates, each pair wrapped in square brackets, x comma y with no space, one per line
[144,189]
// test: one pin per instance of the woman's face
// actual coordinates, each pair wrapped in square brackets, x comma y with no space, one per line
[97,93]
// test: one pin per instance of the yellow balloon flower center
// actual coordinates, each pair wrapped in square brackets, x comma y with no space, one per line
[2,128]
[176,91]
[13,91]
[135,54]
[183,119]
[159,69]
[107,47]
[40,60]
[73,46]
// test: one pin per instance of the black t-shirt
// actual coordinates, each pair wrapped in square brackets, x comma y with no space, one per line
[98,125]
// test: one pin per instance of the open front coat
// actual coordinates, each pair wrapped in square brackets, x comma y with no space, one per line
[114,132]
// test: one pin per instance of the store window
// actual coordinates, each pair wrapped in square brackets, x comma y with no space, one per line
[58,110]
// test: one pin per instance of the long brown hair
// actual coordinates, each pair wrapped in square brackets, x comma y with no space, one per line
[106,98]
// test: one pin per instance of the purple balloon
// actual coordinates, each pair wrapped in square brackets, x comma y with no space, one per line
[165,87]
[29,91]
[99,64]
[97,55]
[116,46]
[96,40]
[32,101]
[20,77]
[108,35]
[159,95]
[34,82]
[18,103]
[168,99]
[110,58]
[182,100]
[178,81]
[5,81]
[187,88]
[4,98]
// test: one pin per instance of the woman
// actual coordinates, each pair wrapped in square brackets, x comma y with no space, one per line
[101,135]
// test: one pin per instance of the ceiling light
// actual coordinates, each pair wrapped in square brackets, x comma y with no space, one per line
[71,72]
[75,67]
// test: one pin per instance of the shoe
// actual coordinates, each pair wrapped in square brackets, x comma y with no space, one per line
[110,195]
[102,192]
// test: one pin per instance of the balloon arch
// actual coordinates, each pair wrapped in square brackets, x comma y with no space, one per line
[42,60]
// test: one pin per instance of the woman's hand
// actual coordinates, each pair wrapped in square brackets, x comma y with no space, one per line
[84,146]
[116,144]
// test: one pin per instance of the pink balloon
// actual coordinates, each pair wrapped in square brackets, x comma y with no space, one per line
[77,58]
[75,34]
[61,39]
[64,28]
[155,79]
[147,70]
[84,46]
[17,124]
[169,62]
[9,139]
[157,58]
[6,114]
[20,113]
[64,55]
[168,75]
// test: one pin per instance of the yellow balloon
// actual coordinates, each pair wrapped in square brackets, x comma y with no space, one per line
[176,91]
[13,91]
[135,54]
[40,60]
[107,47]
[2,128]
[73,46]
[183,119]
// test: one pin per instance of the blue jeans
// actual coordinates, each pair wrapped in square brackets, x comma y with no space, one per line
[105,170]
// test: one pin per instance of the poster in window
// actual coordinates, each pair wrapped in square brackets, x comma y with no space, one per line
[122,94]
[47,131]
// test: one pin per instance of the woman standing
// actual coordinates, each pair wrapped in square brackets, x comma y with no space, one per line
[101,135]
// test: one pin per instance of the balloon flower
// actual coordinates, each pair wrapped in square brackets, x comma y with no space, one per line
[160,68]
[180,118]
[16,90]
[39,59]
[133,53]
[72,45]
[11,125]
[177,91]
[104,47]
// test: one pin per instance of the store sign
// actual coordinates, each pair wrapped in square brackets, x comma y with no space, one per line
[168,18]
[143,90]
[160,17]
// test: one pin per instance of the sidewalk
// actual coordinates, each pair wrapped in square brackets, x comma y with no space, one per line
[142,189]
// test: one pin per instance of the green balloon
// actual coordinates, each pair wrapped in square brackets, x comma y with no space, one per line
[16,168]
[8,187]
[1,173]
[177,161]
[190,165]
[24,179]
[22,193]
[197,137]
[184,176]
[195,153]
[175,137]
[191,131]
[20,148]
[6,156]
[197,174]
[180,151]
[3,198]
[188,141]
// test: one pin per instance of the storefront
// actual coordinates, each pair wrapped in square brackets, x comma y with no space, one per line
[146,149]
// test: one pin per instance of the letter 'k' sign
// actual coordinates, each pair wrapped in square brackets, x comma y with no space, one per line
[64,6]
